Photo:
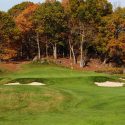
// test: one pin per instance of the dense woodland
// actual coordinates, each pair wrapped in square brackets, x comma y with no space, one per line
[74,29]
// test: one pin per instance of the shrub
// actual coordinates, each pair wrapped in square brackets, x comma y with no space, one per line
[111,70]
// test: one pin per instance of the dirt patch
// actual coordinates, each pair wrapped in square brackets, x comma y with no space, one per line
[93,64]
[13,66]
[110,84]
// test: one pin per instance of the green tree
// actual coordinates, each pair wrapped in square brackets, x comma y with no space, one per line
[71,7]
[8,36]
[90,13]
[110,36]
[50,20]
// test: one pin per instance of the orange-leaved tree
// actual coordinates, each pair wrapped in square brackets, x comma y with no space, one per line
[25,25]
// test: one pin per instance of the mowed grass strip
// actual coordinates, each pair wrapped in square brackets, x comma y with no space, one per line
[68,98]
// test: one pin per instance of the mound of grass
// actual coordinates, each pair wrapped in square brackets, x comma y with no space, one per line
[103,79]
[43,62]
[2,71]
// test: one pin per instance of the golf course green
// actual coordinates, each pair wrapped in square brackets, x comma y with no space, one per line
[68,97]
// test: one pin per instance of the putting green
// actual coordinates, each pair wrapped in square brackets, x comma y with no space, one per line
[69,98]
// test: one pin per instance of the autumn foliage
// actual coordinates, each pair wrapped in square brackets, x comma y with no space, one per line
[23,20]
[75,29]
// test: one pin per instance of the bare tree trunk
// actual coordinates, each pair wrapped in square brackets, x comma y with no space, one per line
[38,46]
[82,55]
[63,53]
[55,51]
[46,49]
[72,53]
[123,70]
[104,62]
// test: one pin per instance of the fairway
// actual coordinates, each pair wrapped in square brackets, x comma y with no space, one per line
[68,97]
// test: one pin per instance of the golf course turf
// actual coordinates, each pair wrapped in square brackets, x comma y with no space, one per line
[69,97]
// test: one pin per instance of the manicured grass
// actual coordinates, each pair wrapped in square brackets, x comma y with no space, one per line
[69,98]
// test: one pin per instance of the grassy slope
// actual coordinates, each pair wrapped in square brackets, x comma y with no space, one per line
[69,98]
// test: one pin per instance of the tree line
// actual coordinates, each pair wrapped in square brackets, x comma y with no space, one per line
[75,29]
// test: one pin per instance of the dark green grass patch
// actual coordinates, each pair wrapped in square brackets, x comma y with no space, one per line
[103,78]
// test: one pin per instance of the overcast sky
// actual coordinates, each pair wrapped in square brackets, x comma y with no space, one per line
[6,4]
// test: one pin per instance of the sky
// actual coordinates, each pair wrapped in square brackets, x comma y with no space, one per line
[7,4]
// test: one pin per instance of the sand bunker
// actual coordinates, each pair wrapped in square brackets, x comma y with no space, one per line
[16,83]
[32,83]
[35,83]
[122,79]
[110,84]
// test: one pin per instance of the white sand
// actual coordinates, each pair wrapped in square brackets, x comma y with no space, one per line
[33,83]
[110,84]
[16,83]
[122,79]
